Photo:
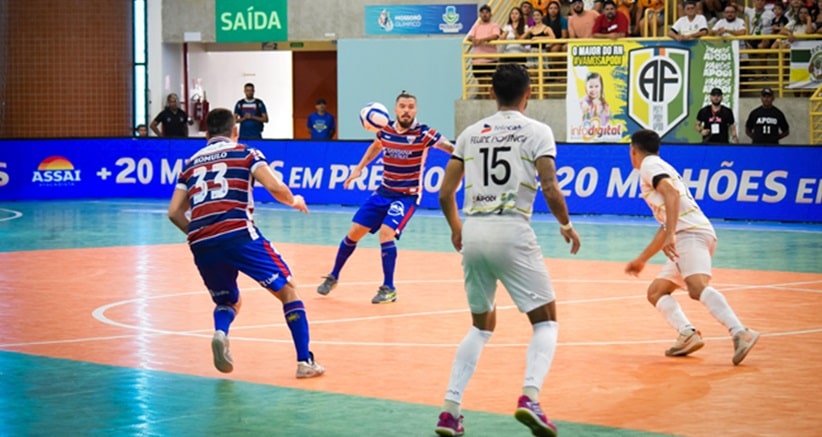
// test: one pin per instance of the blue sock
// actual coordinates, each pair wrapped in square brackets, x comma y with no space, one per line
[346,249]
[298,324]
[223,316]
[389,260]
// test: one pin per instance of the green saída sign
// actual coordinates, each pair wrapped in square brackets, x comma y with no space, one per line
[251,20]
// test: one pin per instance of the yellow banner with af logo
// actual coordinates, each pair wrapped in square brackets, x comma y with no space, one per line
[617,88]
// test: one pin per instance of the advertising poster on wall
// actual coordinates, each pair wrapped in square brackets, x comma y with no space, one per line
[616,88]
[419,19]
[806,64]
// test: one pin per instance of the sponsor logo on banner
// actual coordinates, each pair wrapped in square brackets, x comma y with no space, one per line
[658,98]
[56,171]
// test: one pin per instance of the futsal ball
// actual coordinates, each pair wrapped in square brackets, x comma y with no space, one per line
[374,116]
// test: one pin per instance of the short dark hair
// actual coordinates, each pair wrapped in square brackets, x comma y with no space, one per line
[220,122]
[405,95]
[485,8]
[608,2]
[249,84]
[320,102]
[510,82]
[646,141]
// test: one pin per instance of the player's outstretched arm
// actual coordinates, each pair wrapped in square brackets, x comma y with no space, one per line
[372,152]
[448,199]
[177,209]
[445,146]
[279,190]
[546,169]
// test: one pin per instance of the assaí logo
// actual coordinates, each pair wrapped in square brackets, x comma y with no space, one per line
[56,170]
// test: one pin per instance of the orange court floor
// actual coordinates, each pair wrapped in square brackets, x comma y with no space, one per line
[110,313]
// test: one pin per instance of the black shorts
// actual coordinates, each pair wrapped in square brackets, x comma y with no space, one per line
[484,70]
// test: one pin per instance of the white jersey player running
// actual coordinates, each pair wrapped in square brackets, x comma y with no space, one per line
[688,240]
[501,157]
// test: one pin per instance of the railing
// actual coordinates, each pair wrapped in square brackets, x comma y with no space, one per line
[815,118]
[758,68]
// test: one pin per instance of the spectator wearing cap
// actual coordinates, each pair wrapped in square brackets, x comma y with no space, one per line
[320,123]
[715,121]
[610,24]
[767,124]
[481,33]
[581,21]
[691,26]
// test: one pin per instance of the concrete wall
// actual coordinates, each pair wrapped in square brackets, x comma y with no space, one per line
[308,20]
[553,113]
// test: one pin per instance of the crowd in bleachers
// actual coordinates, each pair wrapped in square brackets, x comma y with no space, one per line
[646,18]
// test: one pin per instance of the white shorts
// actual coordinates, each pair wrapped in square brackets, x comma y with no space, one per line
[695,250]
[504,249]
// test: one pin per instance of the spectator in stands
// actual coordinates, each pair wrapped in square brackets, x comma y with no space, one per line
[760,22]
[712,9]
[691,26]
[655,20]
[792,12]
[593,5]
[540,30]
[610,24]
[141,130]
[581,21]
[730,25]
[778,24]
[715,121]
[515,30]
[483,32]
[174,120]
[527,10]
[816,8]
[767,124]
[802,26]
[626,7]
[558,24]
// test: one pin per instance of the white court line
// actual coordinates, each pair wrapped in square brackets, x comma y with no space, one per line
[14,215]
[99,314]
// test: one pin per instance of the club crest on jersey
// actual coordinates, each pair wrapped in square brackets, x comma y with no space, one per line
[396,209]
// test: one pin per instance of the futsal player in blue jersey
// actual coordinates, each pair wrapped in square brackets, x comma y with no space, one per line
[404,144]
[215,186]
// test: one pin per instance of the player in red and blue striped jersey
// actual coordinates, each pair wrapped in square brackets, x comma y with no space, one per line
[404,144]
[216,186]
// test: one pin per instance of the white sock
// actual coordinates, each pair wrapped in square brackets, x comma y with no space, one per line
[465,362]
[719,308]
[539,357]
[673,314]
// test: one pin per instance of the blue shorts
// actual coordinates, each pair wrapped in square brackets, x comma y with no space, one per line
[391,211]
[258,259]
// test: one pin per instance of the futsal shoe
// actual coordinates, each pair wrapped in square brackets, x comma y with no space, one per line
[222,356]
[328,284]
[449,425]
[686,344]
[385,294]
[310,368]
[743,342]
[530,414]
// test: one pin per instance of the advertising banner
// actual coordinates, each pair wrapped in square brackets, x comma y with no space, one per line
[806,64]
[616,88]
[419,19]
[732,182]
[241,21]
